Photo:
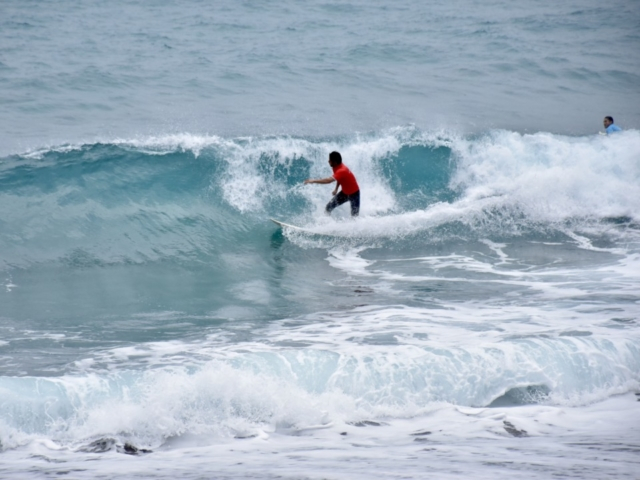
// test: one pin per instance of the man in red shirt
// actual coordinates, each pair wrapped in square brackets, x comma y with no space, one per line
[346,180]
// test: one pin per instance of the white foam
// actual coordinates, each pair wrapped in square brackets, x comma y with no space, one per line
[446,442]
[552,177]
[507,181]
[247,187]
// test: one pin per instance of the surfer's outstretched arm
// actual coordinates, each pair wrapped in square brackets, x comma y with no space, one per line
[319,180]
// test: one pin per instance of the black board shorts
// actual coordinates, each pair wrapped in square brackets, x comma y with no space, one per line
[340,198]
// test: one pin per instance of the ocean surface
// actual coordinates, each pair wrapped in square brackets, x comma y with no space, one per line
[480,319]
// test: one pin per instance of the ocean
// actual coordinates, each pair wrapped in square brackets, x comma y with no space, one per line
[479,319]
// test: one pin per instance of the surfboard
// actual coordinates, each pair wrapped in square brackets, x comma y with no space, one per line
[302,230]
[287,225]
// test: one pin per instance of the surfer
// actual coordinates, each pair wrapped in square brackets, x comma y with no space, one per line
[609,126]
[342,175]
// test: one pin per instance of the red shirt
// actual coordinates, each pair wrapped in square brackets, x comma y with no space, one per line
[346,179]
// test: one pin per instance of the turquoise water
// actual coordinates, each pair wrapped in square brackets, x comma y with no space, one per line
[479,319]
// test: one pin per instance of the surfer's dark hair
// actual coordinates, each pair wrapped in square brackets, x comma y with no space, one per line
[335,158]
[610,119]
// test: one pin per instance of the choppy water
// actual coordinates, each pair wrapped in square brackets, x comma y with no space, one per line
[480,319]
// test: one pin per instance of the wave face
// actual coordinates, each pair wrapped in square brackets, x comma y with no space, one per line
[188,198]
[148,302]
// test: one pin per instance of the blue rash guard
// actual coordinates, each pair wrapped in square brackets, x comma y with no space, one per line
[613,128]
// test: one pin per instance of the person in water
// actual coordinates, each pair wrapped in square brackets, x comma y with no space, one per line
[609,126]
[342,175]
